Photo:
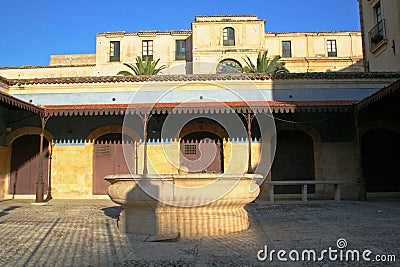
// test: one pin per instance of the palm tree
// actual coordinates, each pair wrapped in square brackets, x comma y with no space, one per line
[264,64]
[141,67]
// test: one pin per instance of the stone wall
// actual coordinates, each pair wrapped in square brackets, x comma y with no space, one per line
[337,161]
[72,171]
[72,59]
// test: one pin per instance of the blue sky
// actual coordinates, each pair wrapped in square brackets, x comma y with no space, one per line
[32,30]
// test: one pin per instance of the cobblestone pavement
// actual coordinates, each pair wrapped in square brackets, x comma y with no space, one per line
[85,233]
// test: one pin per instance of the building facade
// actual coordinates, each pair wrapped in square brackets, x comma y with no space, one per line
[380,25]
[212,42]
[66,123]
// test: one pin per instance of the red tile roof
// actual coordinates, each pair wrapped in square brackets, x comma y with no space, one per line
[13,101]
[209,77]
[378,95]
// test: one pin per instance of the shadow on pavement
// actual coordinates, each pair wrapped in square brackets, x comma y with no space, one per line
[112,212]
[6,210]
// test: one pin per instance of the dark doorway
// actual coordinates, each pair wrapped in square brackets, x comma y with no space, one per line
[109,159]
[294,160]
[202,152]
[25,158]
[380,159]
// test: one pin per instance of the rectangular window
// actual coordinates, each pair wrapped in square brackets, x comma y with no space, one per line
[180,49]
[378,17]
[114,51]
[332,51]
[286,49]
[147,50]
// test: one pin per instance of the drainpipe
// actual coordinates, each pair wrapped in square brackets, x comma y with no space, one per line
[360,6]
[308,64]
[351,47]
[39,182]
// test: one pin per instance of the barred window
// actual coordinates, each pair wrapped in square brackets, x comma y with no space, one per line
[190,149]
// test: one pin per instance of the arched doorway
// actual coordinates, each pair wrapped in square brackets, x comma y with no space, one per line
[109,159]
[25,158]
[294,160]
[380,159]
[202,147]
[229,66]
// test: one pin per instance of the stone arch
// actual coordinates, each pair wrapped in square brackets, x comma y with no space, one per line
[229,65]
[294,159]
[28,131]
[314,146]
[202,127]
[378,124]
[113,129]
[25,159]
[379,148]
[112,155]
[194,136]
[311,131]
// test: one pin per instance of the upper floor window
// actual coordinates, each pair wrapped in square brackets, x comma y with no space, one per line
[378,18]
[229,36]
[147,50]
[378,12]
[114,51]
[332,51]
[180,49]
[377,34]
[286,49]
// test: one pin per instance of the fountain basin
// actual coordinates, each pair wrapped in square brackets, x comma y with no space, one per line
[189,204]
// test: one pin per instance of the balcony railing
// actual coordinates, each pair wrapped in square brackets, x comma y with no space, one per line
[377,35]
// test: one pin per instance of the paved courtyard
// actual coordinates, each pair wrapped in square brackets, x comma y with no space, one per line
[85,233]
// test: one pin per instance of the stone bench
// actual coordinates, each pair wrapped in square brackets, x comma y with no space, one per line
[304,184]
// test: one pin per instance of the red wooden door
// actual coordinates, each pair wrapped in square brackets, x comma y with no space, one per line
[25,160]
[109,159]
[201,156]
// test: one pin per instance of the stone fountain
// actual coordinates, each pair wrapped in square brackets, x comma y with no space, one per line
[193,204]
